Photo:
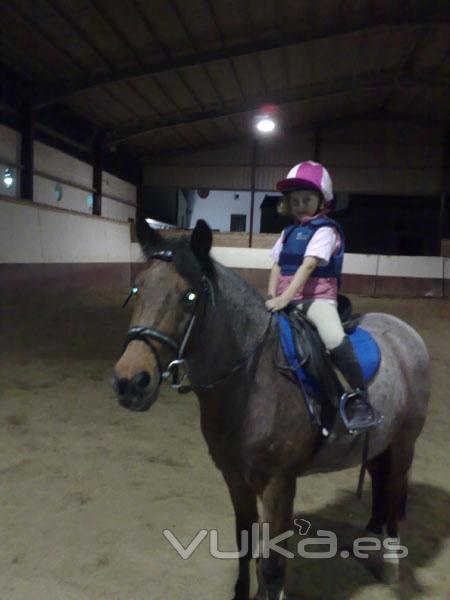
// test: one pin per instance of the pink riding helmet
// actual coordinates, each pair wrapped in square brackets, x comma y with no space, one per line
[308,175]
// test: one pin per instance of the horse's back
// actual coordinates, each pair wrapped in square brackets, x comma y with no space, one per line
[405,362]
[399,391]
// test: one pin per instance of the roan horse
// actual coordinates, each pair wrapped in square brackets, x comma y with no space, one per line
[190,308]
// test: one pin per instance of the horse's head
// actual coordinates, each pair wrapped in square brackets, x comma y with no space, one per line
[169,295]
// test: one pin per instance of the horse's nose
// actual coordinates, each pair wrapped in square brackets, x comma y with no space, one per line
[130,390]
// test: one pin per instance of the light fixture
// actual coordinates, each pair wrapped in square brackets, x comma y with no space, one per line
[265,121]
[8,178]
[265,124]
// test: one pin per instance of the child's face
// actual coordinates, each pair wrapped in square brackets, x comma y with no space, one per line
[304,203]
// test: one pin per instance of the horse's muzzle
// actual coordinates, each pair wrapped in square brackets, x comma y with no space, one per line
[135,394]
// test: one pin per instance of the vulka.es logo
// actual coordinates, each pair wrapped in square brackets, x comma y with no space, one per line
[259,544]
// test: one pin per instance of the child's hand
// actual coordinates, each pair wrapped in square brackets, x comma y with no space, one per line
[277,303]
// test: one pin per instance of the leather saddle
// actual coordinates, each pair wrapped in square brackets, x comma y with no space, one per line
[317,363]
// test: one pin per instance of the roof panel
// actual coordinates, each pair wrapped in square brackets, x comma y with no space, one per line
[163,21]
[161,101]
[197,20]
[437,49]
[250,76]
[25,29]
[271,64]
[131,96]
[263,16]
[225,80]
[181,94]
[200,81]
[110,104]
[90,22]
[232,21]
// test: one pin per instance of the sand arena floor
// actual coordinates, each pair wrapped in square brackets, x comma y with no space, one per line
[87,487]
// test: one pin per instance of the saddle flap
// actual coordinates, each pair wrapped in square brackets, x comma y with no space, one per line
[322,384]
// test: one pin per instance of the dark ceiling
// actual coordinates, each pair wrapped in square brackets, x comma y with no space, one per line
[169,74]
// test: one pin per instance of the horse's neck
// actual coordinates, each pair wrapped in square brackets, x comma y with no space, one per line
[233,325]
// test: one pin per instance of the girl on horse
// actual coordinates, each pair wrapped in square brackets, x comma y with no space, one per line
[308,259]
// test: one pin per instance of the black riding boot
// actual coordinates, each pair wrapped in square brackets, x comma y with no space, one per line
[356,412]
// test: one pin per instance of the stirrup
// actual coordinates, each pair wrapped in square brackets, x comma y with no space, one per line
[376,419]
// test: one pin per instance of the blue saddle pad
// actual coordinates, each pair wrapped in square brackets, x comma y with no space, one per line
[364,345]
[367,352]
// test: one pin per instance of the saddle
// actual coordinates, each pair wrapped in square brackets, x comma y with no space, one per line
[312,364]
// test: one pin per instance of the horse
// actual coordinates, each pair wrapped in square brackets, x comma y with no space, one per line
[194,314]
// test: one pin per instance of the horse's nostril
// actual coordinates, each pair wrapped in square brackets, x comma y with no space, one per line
[122,386]
[141,380]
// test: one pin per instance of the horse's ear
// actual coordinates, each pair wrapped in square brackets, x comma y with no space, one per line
[201,241]
[146,236]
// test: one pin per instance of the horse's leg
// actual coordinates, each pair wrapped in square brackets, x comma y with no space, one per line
[246,513]
[378,468]
[278,500]
[400,459]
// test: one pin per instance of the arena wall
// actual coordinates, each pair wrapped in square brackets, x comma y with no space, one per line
[52,168]
[46,249]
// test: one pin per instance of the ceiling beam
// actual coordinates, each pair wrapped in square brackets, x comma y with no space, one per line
[425,18]
[307,92]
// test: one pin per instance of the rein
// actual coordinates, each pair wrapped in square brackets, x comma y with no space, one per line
[148,335]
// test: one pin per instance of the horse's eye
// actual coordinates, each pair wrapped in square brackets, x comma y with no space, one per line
[190,296]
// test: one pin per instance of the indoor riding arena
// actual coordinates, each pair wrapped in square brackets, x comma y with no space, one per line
[162,114]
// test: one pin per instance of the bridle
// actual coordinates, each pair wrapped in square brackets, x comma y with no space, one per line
[178,368]
[149,334]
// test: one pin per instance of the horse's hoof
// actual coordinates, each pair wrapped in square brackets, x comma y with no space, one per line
[390,573]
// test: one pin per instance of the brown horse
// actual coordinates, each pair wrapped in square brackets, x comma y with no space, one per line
[192,313]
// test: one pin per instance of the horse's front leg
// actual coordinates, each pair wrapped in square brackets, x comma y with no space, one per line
[246,512]
[278,501]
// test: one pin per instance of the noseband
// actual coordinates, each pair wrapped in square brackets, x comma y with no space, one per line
[148,334]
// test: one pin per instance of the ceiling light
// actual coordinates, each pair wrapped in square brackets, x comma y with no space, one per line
[265,124]
[266,120]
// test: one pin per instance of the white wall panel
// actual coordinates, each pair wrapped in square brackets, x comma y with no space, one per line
[360,264]
[57,163]
[249,258]
[111,209]
[411,266]
[118,187]
[72,238]
[20,238]
[136,254]
[117,242]
[72,198]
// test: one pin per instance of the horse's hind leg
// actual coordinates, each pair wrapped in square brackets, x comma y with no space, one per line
[401,456]
[389,472]
[378,468]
